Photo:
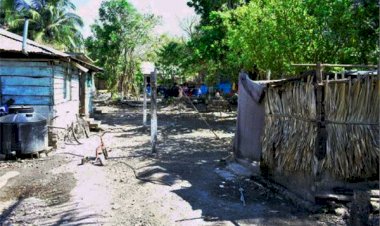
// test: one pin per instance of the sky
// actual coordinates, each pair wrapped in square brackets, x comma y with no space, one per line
[172,13]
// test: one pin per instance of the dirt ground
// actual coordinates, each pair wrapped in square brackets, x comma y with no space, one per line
[179,186]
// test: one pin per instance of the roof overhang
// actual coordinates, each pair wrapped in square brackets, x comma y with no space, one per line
[11,47]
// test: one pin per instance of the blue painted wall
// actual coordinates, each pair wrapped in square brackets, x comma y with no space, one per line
[28,83]
[52,88]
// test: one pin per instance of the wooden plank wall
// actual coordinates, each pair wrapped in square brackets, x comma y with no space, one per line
[28,83]
[66,107]
[41,83]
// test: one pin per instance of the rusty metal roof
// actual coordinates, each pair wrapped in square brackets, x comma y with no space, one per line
[10,42]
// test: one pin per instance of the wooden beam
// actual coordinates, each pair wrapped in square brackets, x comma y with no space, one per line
[336,65]
[80,67]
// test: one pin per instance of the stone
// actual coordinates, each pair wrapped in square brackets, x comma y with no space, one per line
[375,205]
[375,193]
[341,211]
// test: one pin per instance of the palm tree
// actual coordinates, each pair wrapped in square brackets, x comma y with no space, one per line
[50,21]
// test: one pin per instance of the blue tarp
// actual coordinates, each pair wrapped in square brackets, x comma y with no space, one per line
[225,87]
[203,89]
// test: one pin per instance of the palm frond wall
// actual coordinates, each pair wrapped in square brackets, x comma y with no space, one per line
[352,114]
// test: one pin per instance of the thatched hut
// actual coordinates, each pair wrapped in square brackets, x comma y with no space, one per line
[319,135]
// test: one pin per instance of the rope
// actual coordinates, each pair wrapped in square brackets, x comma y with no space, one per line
[204,120]
[352,123]
[291,116]
[326,121]
[140,178]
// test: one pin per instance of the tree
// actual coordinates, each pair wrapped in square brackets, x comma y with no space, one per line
[205,7]
[267,35]
[174,60]
[121,40]
[346,31]
[51,22]
[210,49]
[272,35]
[189,26]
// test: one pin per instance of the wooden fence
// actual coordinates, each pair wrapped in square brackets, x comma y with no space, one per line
[323,123]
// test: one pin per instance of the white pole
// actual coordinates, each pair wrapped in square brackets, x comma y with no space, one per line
[153,104]
[144,103]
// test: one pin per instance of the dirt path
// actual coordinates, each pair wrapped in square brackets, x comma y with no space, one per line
[177,187]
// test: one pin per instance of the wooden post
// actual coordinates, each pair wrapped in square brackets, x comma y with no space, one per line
[319,72]
[268,74]
[320,147]
[144,103]
[153,106]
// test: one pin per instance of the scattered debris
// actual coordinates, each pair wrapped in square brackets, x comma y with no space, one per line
[242,195]
[341,211]
[225,174]
[238,169]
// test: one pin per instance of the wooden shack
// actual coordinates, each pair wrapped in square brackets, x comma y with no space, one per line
[58,85]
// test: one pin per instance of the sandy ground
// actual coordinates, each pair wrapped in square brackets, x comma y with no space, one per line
[179,186]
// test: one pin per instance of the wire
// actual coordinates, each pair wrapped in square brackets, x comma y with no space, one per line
[140,178]
[196,109]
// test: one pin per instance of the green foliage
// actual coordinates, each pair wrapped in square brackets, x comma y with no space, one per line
[209,47]
[272,34]
[170,60]
[50,22]
[122,39]
[204,8]
[346,31]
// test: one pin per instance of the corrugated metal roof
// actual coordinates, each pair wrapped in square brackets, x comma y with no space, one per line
[10,42]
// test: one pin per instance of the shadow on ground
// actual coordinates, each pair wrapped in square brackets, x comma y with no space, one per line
[186,156]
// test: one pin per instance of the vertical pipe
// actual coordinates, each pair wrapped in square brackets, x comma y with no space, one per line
[25,36]
[153,103]
[144,103]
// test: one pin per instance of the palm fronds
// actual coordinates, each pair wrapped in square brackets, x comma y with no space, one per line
[352,123]
[50,22]
[290,132]
[352,113]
